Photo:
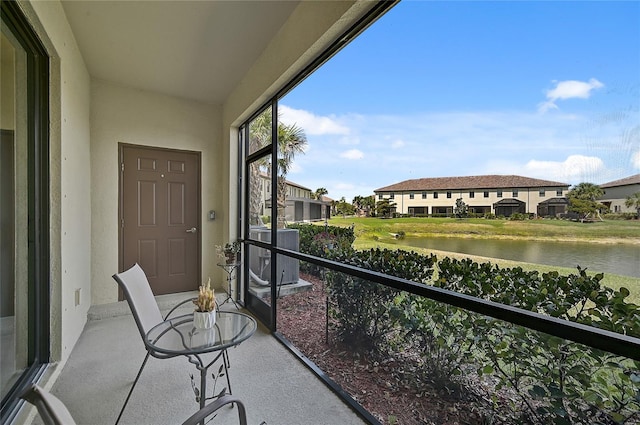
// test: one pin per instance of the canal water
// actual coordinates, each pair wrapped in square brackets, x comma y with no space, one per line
[620,259]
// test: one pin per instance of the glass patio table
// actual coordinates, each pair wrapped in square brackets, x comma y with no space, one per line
[178,337]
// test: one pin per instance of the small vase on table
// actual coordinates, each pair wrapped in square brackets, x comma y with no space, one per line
[204,319]
[205,315]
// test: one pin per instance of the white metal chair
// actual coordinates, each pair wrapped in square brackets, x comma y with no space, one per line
[54,412]
[145,310]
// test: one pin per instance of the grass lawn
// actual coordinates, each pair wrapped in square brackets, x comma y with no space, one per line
[613,231]
[372,232]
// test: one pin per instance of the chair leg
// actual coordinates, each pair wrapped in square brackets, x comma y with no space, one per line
[144,362]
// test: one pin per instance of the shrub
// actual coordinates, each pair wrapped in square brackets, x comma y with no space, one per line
[518,217]
[366,313]
[556,381]
[322,241]
[620,216]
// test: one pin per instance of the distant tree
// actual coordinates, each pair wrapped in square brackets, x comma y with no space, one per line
[368,204]
[319,193]
[633,201]
[344,208]
[461,209]
[385,207]
[364,203]
[357,201]
[582,199]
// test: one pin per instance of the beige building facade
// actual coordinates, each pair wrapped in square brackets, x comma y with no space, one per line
[489,194]
[301,204]
[617,191]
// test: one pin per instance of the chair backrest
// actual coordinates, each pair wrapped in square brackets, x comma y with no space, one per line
[140,298]
[51,409]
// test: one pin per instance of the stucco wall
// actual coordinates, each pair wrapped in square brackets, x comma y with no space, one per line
[70,178]
[618,195]
[89,119]
[124,115]
[530,196]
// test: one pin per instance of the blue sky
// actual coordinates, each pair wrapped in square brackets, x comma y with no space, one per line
[543,89]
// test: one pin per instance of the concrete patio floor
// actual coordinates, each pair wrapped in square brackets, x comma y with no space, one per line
[275,387]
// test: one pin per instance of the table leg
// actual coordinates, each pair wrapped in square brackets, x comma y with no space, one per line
[204,369]
[203,386]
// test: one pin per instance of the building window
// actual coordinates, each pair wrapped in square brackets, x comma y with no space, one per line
[424,195]
[499,193]
[514,193]
[486,193]
[411,195]
[435,195]
[472,194]
[541,193]
[559,192]
[448,195]
[391,195]
[380,196]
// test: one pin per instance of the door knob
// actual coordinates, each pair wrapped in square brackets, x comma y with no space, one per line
[192,230]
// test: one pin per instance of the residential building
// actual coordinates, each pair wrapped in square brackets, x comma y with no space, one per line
[498,194]
[617,191]
[301,204]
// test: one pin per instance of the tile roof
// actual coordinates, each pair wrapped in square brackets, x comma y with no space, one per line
[470,182]
[623,182]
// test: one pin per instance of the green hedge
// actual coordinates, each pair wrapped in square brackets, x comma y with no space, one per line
[550,380]
[365,313]
[322,241]
[556,381]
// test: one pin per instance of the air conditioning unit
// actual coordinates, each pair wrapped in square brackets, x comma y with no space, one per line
[287,269]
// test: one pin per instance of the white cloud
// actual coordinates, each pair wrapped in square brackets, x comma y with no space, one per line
[352,154]
[397,144]
[574,168]
[312,124]
[559,147]
[635,160]
[570,89]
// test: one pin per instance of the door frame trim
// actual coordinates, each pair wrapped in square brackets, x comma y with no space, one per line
[121,147]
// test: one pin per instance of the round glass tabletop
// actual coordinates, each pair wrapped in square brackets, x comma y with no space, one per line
[178,336]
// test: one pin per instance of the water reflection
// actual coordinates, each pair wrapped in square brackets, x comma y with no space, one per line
[621,259]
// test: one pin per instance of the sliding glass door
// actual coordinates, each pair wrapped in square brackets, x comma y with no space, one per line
[24,207]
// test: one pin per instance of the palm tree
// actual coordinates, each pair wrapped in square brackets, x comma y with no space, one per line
[633,201]
[259,137]
[320,192]
[291,141]
[368,204]
[357,202]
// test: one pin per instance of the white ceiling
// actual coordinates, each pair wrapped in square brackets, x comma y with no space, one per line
[197,50]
